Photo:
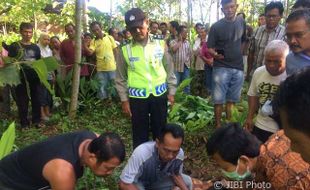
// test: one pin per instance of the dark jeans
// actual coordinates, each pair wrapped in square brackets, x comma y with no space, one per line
[262,135]
[208,77]
[22,98]
[45,97]
[149,113]
[5,99]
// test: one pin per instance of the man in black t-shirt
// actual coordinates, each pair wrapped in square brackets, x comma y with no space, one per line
[24,50]
[225,41]
[58,162]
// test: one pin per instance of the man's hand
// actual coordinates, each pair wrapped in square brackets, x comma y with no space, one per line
[126,108]
[248,125]
[179,182]
[171,99]
[218,56]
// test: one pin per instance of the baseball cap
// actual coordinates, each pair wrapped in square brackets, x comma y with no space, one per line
[134,17]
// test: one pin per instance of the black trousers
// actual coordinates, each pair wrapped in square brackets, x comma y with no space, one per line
[22,98]
[262,135]
[148,114]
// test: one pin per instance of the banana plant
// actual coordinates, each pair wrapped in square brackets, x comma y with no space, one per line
[10,72]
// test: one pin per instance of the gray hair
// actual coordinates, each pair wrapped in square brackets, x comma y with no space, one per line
[277,45]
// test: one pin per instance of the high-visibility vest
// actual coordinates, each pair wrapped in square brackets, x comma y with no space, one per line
[146,72]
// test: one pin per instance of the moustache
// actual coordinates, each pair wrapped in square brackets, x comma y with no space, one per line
[294,46]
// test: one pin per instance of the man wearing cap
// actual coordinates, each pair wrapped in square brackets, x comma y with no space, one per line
[144,78]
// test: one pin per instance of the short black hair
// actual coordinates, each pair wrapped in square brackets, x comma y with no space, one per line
[25,25]
[125,31]
[301,4]
[231,142]
[88,34]
[181,28]
[175,129]
[154,22]
[69,24]
[262,14]
[163,23]
[198,24]
[55,37]
[274,5]
[224,2]
[293,96]
[92,24]
[174,24]
[110,31]
[107,146]
[299,14]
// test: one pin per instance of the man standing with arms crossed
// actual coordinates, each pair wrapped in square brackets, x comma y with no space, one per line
[144,78]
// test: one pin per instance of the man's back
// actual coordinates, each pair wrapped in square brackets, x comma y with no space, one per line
[23,169]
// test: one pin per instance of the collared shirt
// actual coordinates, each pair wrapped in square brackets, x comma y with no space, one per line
[122,74]
[296,61]
[260,40]
[144,165]
[283,168]
[182,57]
[104,53]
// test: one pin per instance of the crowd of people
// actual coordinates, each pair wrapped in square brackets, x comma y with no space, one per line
[146,63]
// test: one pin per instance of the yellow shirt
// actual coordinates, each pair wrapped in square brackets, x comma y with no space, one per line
[104,53]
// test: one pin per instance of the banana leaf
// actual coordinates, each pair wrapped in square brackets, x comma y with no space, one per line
[9,75]
[7,141]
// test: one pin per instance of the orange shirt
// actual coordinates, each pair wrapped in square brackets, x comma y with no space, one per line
[283,168]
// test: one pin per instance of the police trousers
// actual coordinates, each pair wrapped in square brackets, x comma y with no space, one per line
[148,115]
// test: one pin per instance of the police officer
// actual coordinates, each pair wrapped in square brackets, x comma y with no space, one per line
[144,78]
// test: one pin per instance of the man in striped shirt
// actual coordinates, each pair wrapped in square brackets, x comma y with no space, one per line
[265,34]
[181,55]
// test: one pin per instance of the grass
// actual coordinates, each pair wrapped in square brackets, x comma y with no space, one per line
[108,117]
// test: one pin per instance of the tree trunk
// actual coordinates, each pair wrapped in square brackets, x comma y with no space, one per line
[77,58]
[218,10]
[180,10]
[111,13]
[85,16]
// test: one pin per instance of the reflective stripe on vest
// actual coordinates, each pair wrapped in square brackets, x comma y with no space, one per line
[146,73]
[136,92]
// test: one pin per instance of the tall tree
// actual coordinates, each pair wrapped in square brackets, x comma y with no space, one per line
[77,58]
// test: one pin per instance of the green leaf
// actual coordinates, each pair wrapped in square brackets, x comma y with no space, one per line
[51,63]
[190,115]
[10,75]
[7,141]
[41,69]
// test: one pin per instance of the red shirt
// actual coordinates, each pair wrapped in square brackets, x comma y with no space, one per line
[67,56]
[204,52]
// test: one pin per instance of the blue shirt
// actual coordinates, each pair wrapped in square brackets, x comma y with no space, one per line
[296,62]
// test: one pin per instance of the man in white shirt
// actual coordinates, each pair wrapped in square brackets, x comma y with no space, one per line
[264,85]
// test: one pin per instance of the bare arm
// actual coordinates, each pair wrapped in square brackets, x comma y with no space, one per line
[177,45]
[127,186]
[253,107]
[60,174]
[178,180]
[171,78]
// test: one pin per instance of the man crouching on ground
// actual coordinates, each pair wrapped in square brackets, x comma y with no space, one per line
[157,165]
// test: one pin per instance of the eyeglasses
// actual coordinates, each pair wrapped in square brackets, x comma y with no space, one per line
[297,35]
